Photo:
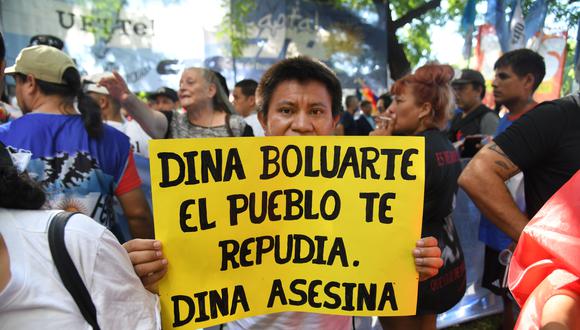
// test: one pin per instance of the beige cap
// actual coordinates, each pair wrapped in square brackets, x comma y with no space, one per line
[91,83]
[43,63]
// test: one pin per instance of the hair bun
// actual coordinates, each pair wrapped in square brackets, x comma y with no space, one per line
[435,74]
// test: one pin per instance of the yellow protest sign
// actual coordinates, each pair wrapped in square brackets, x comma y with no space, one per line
[253,226]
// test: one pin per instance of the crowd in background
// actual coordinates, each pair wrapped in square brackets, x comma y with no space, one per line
[81,144]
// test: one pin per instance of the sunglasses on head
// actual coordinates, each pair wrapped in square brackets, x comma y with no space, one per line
[48,40]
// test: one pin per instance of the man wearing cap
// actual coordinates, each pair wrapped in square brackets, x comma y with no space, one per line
[164,99]
[81,163]
[475,117]
[112,116]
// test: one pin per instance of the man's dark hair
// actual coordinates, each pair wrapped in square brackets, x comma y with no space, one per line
[386,97]
[89,109]
[248,87]
[302,69]
[522,62]
[365,103]
[482,93]
[349,100]
[2,48]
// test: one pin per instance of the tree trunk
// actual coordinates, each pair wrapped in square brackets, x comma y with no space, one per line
[399,66]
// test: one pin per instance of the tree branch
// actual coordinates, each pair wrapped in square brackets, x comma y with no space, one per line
[416,13]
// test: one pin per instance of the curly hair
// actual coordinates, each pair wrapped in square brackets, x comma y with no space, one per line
[18,191]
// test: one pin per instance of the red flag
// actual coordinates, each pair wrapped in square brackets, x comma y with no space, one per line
[367,94]
[546,258]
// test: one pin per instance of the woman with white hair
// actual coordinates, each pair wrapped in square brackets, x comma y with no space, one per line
[208,112]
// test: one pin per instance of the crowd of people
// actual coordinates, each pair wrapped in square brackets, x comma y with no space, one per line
[77,145]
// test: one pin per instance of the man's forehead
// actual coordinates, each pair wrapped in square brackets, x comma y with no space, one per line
[504,69]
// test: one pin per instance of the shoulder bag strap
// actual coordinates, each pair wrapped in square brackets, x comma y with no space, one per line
[67,270]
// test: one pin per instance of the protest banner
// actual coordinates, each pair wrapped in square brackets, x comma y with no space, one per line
[253,226]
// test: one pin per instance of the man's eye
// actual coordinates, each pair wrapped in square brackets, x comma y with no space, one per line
[317,111]
[285,110]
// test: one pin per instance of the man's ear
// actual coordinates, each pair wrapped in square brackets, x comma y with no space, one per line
[529,81]
[335,120]
[103,101]
[252,100]
[30,83]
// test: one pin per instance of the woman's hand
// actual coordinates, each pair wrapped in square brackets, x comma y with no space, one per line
[116,86]
[385,125]
[148,262]
[427,257]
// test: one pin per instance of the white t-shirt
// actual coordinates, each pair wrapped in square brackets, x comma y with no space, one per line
[35,297]
[253,121]
[139,139]
[293,320]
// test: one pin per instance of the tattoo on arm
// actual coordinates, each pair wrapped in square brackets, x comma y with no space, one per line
[497,149]
[507,166]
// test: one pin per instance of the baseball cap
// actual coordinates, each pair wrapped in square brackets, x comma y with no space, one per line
[165,91]
[469,76]
[91,83]
[43,63]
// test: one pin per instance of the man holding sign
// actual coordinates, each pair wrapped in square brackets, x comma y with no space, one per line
[299,97]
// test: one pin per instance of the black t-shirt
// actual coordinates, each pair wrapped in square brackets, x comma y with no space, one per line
[442,168]
[545,144]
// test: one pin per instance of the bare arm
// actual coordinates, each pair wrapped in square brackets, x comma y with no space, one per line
[138,213]
[484,181]
[561,312]
[153,122]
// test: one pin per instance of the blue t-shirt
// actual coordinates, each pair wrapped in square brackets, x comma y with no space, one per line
[77,172]
[488,232]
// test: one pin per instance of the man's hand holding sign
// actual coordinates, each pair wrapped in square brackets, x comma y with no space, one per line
[287,224]
[317,225]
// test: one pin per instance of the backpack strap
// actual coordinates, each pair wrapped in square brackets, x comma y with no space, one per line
[67,270]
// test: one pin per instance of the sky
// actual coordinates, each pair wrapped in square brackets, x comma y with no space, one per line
[451,50]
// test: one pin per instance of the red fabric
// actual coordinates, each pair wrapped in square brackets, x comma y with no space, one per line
[546,258]
[528,108]
[130,179]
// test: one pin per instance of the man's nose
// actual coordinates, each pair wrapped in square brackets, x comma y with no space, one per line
[302,123]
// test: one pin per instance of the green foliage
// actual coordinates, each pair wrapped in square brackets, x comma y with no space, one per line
[106,10]
[568,73]
[414,36]
[233,26]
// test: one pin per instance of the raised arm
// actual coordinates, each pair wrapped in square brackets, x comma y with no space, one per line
[484,181]
[153,122]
